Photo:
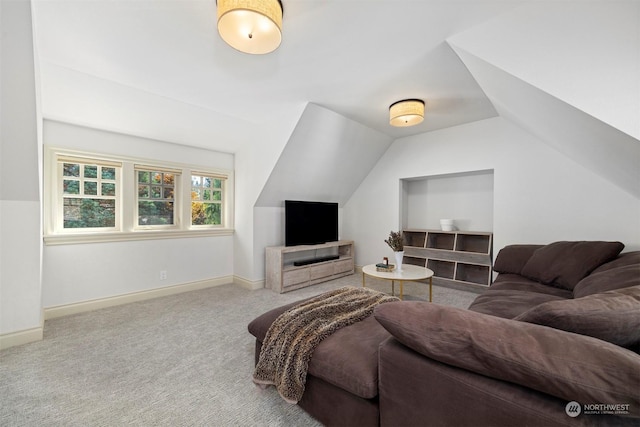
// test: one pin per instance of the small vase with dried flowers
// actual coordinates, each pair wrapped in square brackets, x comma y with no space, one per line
[396,243]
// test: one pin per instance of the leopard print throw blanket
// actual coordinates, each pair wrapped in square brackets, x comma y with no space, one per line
[294,335]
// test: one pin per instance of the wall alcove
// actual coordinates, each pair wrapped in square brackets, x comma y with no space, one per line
[460,257]
[466,197]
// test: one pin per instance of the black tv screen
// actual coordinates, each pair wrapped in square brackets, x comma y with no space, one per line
[310,223]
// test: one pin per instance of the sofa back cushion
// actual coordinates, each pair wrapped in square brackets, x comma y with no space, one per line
[562,364]
[608,280]
[622,260]
[564,264]
[612,316]
[511,259]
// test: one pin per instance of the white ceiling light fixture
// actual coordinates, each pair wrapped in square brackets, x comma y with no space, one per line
[407,112]
[251,26]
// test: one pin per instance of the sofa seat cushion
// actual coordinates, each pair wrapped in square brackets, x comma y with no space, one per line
[347,359]
[509,303]
[566,365]
[608,280]
[564,264]
[512,282]
[612,316]
[260,325]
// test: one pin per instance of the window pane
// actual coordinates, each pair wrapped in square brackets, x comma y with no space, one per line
[108,189]
[89,213]
[217,195]
[156,178]
[168,179]
[144,177]
[108,173]
[217,183]
[195,181]
[168,192]
[156,192]
[195,194]
[207,182]
[143,191]
[155,213]
[207,195]
[71,169]
[91,188]
[206,213]
[71,186]
[90,171]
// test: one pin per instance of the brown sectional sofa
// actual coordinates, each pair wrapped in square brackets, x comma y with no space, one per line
[560,323]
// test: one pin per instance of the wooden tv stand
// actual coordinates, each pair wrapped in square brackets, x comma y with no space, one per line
[318,266]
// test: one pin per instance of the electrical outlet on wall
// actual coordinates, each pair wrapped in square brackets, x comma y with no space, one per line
[163,274]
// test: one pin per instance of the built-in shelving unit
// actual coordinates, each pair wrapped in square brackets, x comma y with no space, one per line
[456,257]
[316,264]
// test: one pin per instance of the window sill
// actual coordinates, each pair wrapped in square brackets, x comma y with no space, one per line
[73,239]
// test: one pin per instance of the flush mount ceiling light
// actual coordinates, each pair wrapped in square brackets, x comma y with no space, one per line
[251,26]
[407,112]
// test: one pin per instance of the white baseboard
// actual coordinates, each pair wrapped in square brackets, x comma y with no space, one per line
[21,337]
[252,285]
[81,307]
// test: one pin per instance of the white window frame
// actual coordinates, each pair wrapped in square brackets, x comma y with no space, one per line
[60,195]
[127,227]
[177,196]
[222,202]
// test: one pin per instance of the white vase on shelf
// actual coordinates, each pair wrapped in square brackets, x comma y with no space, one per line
[399,256]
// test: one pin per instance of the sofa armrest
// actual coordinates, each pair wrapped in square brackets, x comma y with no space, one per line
[566,365]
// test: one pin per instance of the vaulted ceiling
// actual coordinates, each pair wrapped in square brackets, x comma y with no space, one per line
[158,69]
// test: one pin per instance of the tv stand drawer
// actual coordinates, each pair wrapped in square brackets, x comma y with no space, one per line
[294,277]
[322,270]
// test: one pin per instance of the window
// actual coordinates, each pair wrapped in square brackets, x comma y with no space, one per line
[89,194]
[94,198]
[207,194]
[156,196]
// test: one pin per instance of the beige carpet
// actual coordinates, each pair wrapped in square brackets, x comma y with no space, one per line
[182,360]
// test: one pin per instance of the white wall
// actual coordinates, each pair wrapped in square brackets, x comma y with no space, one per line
[253,167]
[82,272]
[20,224]
[540,195]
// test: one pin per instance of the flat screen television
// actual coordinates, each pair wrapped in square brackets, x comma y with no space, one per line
[310,223]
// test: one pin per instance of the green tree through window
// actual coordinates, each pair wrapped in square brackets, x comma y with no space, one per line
[89,193]
[206,200]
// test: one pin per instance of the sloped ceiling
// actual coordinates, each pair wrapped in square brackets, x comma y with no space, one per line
[549,90]
[326,159]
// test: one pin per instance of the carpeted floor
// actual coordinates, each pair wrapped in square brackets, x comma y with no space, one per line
[181,360]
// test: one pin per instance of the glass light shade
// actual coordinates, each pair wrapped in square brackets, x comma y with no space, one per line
[408,112]
[250,26]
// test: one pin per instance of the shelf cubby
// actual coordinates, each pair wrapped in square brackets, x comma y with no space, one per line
[478,243]
[443,241]
[420,262]
[473,273]
[444,269]
[415,239]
